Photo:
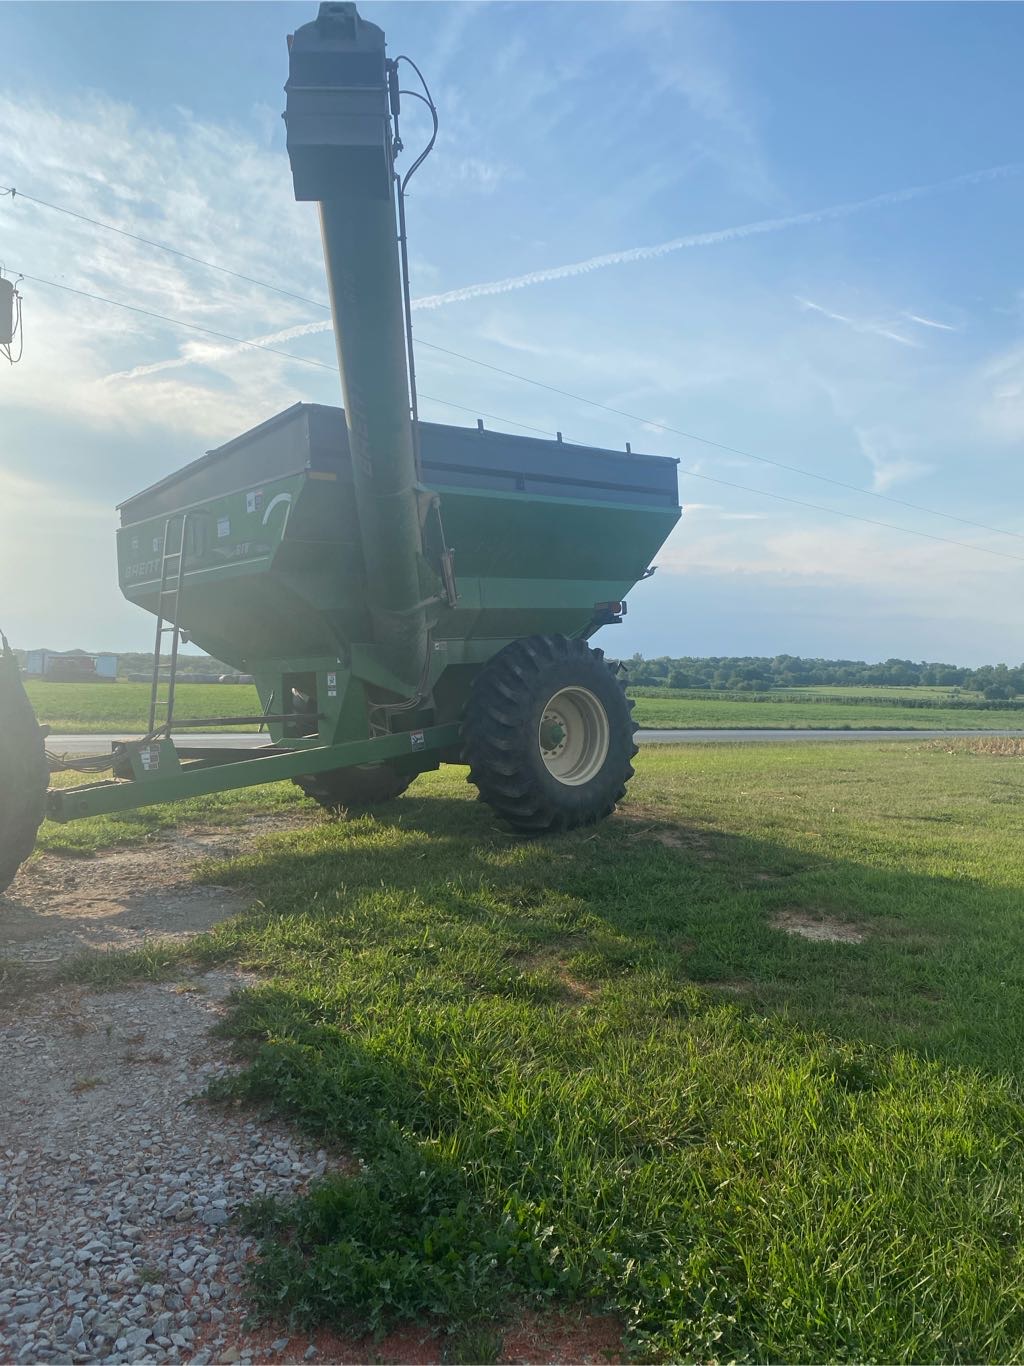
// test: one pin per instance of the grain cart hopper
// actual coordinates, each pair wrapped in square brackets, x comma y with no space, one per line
[404,593]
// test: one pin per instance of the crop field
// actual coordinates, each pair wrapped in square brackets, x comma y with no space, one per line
[932,692]
[741,1066]
[97,707]
[803,713]
[83,708]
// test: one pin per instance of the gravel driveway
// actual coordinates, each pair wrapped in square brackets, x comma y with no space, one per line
[117,1180]
[118,1184]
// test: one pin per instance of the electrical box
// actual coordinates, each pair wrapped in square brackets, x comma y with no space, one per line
[6,312]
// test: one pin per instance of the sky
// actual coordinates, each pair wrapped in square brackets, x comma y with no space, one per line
[791,230]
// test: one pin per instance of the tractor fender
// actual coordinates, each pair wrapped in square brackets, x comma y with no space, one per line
[24,772]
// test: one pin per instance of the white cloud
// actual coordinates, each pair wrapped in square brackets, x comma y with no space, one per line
[689,51]
[44,531]
[1000,394]
[931,580]
[23,499]
[858,324]
[888,466]
[715,512]
[197,186]
[470,172]
[211,352]
[611,367]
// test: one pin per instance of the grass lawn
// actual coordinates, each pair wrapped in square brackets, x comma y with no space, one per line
[598,1068]
[87,837]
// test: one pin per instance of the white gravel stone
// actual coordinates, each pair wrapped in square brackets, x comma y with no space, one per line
[99,1139]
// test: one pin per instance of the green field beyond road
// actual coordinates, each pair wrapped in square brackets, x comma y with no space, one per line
[741,1065]
[799,713]
[81,708]
[100,707]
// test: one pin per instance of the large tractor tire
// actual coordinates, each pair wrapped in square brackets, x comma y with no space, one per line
[362,786]
[24,773]
[548,735]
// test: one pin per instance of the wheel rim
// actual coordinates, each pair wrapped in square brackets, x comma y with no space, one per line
[574,736]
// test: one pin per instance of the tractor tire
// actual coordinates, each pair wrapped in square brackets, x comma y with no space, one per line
[24,772]
[361,786]
[548,735]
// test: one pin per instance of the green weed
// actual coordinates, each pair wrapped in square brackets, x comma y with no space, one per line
[474,1344]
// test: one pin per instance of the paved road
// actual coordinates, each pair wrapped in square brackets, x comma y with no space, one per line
[100,744]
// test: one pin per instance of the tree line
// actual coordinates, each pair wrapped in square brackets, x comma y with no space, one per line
[756,673]
[728,673]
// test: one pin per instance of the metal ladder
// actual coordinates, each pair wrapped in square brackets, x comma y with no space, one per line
[172,570]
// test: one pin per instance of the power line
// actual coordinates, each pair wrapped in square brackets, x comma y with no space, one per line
[783,498]
[852,516]
[511,374]
[161,246]
[321,365]
[242,341]
[477,412]
[177,322]
[718,445]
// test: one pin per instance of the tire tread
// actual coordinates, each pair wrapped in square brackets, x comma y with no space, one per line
[496,740]
[358,787]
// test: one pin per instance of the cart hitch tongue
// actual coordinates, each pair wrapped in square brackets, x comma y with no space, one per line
[24,773]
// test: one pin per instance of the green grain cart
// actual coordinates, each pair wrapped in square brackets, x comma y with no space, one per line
[405,594]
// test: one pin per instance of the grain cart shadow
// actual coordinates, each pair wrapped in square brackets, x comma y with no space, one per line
[875,954]
[60,906]
[63,903]
[99,922]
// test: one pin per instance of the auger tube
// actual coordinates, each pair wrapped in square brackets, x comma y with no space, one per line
[340,148]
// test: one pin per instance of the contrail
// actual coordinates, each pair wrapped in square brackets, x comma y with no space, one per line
[929,322]
[762,226]
[859,324]
[197,352]
[709,239]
